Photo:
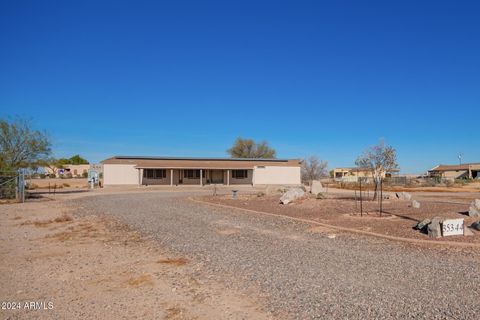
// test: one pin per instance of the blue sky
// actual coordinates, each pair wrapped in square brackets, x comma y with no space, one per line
[186,78]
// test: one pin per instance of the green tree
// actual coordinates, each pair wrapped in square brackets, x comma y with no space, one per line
[21,146]
[247,148]
[76,159]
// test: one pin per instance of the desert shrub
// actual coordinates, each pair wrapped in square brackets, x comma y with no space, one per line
[42,175]
[66,185]
[260,194]
[320,196]
[51,175]
[85,174]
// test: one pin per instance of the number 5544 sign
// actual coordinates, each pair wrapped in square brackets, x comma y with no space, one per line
[452,227]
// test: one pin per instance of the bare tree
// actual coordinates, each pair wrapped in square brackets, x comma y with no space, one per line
[379,159]
[313,169]
[247,148]
[21,146]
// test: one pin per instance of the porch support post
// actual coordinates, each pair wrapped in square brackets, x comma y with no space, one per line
[139,177]
[201,177]
[171,177]
[228,177]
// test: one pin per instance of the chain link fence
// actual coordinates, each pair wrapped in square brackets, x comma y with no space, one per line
[12,186]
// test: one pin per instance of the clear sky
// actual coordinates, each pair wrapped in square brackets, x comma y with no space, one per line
[186,78]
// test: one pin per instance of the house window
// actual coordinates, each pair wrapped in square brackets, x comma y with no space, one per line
[239,174]
[155,173]
[191,174]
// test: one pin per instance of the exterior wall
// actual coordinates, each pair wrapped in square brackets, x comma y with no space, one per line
[455,174]
[127,174]
[276,175]
[247,180]
[118,174]
[150,181]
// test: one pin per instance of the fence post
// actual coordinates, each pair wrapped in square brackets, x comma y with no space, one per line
[17,186]
[23,186]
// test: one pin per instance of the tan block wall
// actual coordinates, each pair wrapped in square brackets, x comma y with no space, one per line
[118,174]
[276,175]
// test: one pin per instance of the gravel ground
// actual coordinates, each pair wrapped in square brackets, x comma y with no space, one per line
[305,274]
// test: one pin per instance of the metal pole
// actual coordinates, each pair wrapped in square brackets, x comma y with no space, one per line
[356,205]
[381,196]
[17,187]
[361,200]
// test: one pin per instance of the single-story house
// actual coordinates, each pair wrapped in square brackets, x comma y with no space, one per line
[134,170]
[74,170]
[460,171]
[351,174]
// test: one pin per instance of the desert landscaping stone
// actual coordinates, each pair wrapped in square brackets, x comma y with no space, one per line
[404,196]
[317,187]
[291,195]
[476,225]
[422,224]
[435,228]
[474,210]
[415,204]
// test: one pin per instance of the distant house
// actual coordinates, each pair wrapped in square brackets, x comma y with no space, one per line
[132,170]
[460,171]
[351,174]
[72,170]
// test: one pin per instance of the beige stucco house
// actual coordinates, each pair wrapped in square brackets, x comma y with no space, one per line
[351,174]
[133,170]
[75,170]
[461,171]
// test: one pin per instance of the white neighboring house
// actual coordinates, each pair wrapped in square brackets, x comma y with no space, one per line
[137,170]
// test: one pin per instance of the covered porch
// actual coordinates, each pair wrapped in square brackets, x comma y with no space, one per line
[189,176]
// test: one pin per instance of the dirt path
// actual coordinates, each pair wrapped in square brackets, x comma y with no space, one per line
[91,267]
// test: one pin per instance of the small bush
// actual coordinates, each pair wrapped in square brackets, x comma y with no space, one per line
[52,175]
[320,196]
[260,194]
[66,185]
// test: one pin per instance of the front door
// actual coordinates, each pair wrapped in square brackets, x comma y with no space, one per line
[217,176]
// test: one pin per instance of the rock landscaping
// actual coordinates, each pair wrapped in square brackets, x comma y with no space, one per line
[474,209]
[397,217]
[292,195]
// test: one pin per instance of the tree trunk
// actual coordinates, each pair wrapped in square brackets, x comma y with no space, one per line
[375,182]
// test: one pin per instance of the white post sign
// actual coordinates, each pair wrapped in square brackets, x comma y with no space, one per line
[452,227]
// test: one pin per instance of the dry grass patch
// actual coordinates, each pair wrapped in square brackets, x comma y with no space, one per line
[142,280]
[43,223]
[174,262]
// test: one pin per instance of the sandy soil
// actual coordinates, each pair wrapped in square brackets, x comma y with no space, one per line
[73,183]
[397,218]
[469,187]
[92,267]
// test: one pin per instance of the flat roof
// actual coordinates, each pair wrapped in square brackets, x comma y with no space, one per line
[195,158]
[141,162]
[463,166]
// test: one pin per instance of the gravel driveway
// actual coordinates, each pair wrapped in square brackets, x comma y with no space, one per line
[302,273]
